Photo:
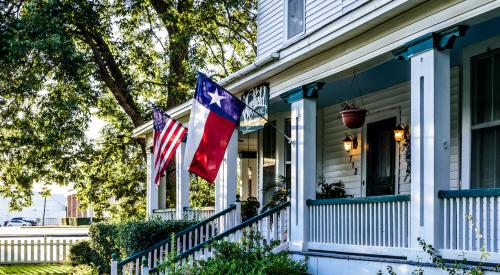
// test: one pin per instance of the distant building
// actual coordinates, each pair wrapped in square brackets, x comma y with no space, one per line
[73,210]
[55,209]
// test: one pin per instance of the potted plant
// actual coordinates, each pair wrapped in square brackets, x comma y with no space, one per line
[353,117]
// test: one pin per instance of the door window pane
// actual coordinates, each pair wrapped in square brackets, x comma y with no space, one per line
[381,155]
[295,17]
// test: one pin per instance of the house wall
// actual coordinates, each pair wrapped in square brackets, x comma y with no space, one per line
[322,12]
[270,26]
[337,14]
[393,101]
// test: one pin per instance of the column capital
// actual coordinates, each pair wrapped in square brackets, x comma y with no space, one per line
[440,40]
[306,91]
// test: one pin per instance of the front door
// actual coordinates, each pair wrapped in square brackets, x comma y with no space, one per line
[381,154]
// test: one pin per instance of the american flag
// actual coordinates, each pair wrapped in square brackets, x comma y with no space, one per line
[168,134]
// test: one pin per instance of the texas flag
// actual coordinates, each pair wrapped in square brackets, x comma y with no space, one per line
[215,113]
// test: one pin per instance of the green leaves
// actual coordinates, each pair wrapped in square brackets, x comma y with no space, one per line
[64,61]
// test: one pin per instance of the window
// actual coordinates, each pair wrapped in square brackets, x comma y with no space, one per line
[294,18]
[485,118]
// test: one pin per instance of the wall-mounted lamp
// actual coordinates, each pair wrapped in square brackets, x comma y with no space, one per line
[350,142]
[399,132]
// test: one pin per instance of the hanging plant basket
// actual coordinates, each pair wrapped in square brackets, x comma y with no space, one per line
[353,117]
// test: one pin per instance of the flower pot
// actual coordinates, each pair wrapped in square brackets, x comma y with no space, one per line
[353,118]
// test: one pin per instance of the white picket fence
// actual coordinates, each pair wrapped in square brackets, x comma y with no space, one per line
[36,249]
[378,225]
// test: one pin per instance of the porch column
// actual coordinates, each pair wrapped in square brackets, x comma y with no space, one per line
[162,193]
[152,190]
[226,181]
[182,182]
[430,134]
[303,174]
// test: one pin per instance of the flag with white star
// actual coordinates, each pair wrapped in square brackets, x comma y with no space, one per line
[215,114]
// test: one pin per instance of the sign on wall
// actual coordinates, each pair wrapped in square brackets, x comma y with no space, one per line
[257,99]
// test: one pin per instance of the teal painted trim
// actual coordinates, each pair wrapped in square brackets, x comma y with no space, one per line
[307,91]
[484,192]
[389,198]
[440,40]
[234,229]
[179,234]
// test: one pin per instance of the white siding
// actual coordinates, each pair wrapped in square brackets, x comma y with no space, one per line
[336,165]
[271,20]
[322,12]
[270,27]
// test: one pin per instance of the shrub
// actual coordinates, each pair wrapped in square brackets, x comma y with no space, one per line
[245,257]
[81,253]
[138,235]
[128,238]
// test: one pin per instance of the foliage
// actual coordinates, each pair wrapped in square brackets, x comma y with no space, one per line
[135,236]
[129,237]
[249,208]
[245,257]
[280,195]
[64,62]
[103,240]
[331,190]
[81,253]
[201,192]
[406,147]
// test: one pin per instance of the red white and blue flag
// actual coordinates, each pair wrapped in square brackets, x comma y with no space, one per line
[168,134]
[215,113]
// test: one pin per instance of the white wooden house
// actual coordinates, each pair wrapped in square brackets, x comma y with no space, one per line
[429,65]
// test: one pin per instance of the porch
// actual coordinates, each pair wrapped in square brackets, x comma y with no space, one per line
[440,183]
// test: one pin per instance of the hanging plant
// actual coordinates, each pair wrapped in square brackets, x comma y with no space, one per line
[353,117]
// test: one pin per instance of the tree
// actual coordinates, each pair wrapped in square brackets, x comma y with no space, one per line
[62,62]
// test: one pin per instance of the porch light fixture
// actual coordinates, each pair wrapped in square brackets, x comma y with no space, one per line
[350,142]
[399,132]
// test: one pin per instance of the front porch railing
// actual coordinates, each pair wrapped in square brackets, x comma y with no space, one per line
[165,214]
[471,223]
[185,241]
[360,225]
[272,224]
[198,213]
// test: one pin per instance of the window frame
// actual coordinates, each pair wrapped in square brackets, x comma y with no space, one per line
[468,53]
[493,123]
[286,39]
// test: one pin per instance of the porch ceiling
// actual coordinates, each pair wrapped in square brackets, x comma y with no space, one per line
[391,72]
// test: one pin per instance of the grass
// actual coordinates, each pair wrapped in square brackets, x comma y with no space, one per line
[36,269]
